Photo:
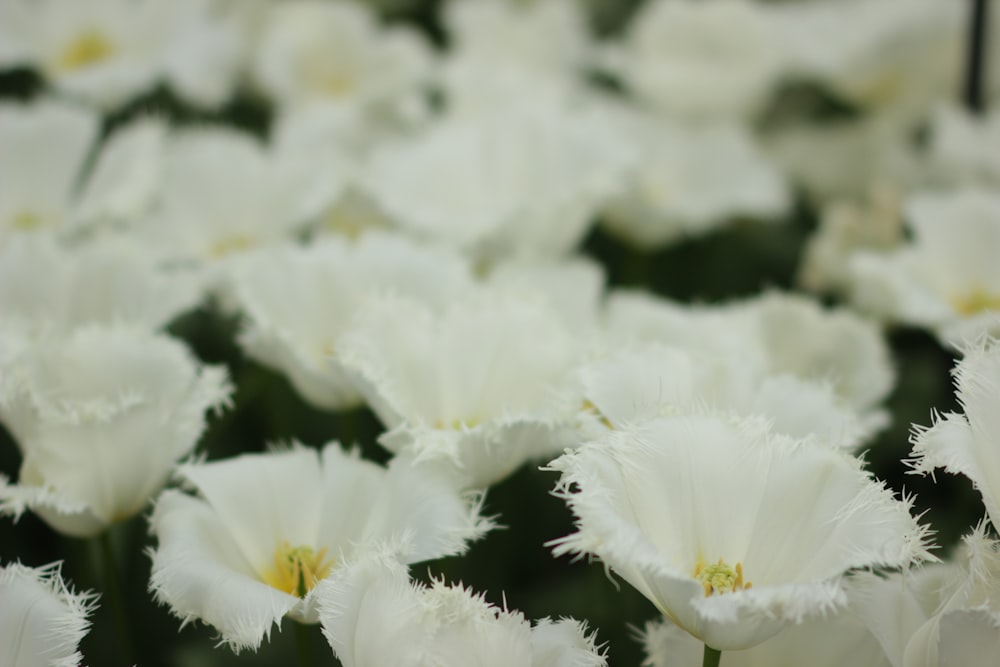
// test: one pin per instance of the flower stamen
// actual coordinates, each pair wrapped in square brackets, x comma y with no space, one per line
[720,577]
[297,569]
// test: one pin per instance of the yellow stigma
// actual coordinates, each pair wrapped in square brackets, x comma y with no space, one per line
[720,577]
[297,569]
[89,47]
[976,301]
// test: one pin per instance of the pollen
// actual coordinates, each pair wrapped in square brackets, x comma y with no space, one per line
[297,570]
[720,577]
[976,301]
[88,48]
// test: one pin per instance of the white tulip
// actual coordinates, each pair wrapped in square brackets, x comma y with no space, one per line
[101,418]
[733,532]
[264,529]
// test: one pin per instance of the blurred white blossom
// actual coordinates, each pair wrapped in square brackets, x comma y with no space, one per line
[337,52]
[108,52]
[700,60]
[298,302]
[482,386]
[946,277]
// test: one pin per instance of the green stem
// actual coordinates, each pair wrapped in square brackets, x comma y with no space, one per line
[302,643]
[712,657]
[113,588]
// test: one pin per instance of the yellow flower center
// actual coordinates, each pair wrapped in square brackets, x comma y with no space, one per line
[89,47]
[976,301]
[26,220]
[297,569]
[230,244]
[720,577]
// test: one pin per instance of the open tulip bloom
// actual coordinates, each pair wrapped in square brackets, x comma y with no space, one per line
[732,531]
[265,528]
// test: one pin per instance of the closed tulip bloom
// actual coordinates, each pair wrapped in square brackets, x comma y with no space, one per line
[101,418]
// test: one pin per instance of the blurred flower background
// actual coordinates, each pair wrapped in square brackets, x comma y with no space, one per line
[332,330]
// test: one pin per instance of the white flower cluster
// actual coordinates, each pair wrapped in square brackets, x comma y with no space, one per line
[407,234]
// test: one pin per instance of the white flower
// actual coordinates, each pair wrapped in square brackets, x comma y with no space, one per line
[896,57]
[110,51]
[574,287]
[223,193]
[966,444]
[265,528]
[372,615]
[336,51]
[778,333]
[49,288]
[693,510]
[836,640]
[45,145]
[689,180]
[43,181]
[700,60]
[41,619]
[834,345]
[101,417]
[943,614]
[946,278]
[643,381]
[962,148]
[524,180]
[548,35]
[847,226]
[857,154]
[299,301]
[634,316]
[481,385]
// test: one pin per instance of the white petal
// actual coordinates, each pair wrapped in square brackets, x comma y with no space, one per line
[41,619]
[201,572]
[263,499]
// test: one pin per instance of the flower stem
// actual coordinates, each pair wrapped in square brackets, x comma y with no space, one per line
[975,66]
[712,657]
[302,643]
[113,588]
